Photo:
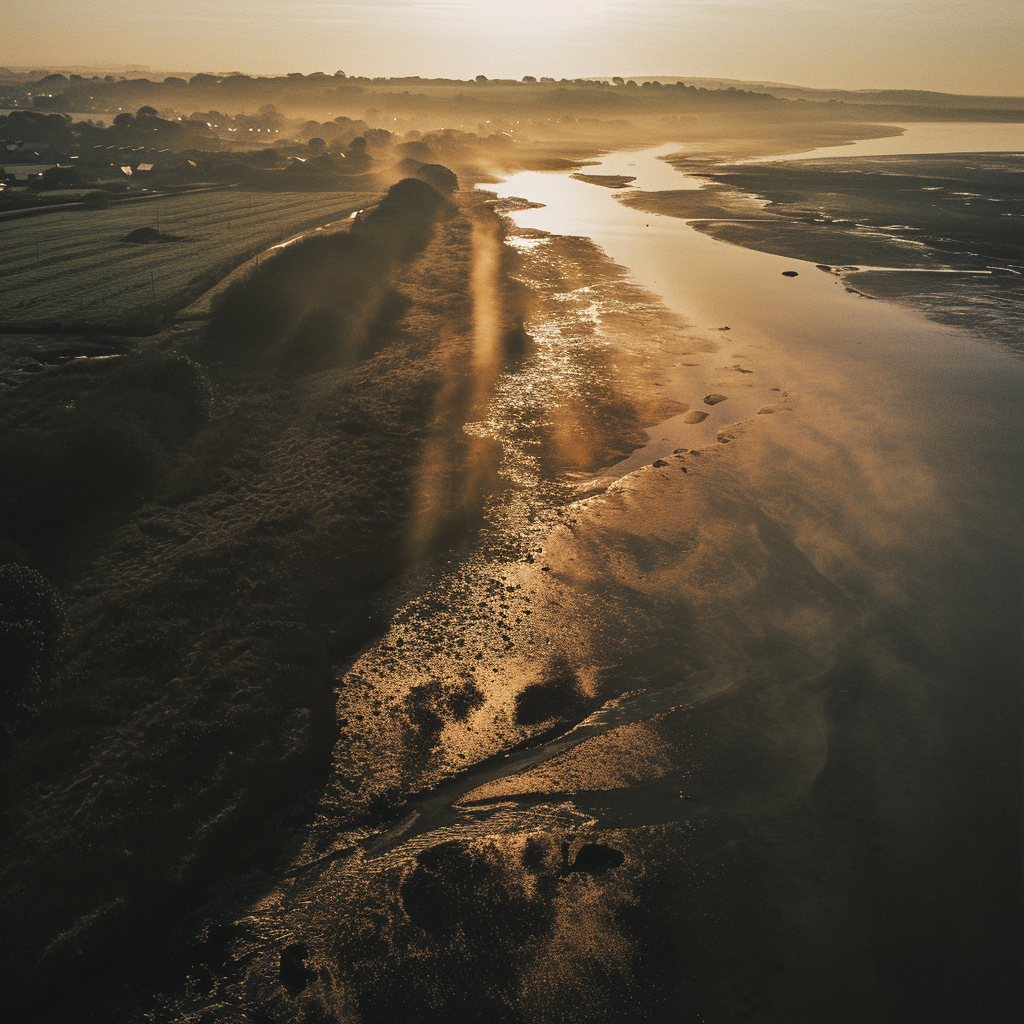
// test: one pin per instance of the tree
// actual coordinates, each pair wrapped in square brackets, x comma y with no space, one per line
[146,112]
[378,138]
[317,145]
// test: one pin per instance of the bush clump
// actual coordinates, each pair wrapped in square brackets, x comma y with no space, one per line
[171,392]
[318,301]
[32,625]
[107,442]
[444,180]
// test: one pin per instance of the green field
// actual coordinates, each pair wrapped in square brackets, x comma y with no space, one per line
[70,270]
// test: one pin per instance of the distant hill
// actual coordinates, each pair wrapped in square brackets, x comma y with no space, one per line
[887,97]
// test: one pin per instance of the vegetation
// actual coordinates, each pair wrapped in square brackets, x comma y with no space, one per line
[479,99]
[318,300]
[62,462]
[74,271]
[31,628]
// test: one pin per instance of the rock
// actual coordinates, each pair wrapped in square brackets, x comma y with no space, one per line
[695,417]
[765,409]
[790,273]
[557,693]
[715,399]
[659,463]
[294,973]
[593,859]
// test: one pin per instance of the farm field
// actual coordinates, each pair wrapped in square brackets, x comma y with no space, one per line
[71,270]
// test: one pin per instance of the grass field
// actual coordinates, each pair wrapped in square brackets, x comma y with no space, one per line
[69,270]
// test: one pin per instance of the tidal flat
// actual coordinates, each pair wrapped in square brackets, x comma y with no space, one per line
[941,231]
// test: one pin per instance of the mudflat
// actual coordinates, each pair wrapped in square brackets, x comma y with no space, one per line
[949,224]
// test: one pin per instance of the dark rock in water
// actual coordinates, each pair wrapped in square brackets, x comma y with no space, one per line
[790,273]
[714,399]
[592,859]
[295,975]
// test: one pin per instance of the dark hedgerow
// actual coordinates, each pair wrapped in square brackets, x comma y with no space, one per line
[318,302]
[444,180]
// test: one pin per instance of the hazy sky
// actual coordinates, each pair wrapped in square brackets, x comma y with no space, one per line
[971,46]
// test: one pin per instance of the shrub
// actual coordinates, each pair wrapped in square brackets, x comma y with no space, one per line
[403,223]
[317,302]
[31,627]
[439,176]
[54,478]
[168,390]
[104,445]
[313,300]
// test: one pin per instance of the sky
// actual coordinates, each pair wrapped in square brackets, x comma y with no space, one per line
[964,46]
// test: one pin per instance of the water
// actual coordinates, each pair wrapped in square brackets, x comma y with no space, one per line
[920,138]
[792,322]
[896,477]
